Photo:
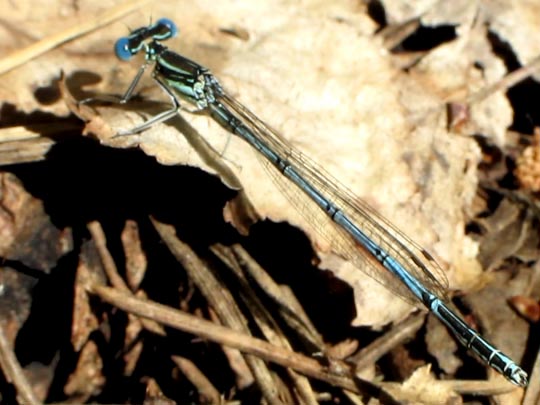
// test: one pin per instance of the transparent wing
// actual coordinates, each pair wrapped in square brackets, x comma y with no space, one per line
[412,257]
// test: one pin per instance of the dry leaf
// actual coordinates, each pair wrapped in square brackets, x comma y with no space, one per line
[27,234]
[136,261]
[422,388]
[87,380]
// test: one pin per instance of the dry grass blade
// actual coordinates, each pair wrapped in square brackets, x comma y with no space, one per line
[24,55]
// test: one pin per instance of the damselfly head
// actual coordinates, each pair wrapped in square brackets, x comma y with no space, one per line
[128,46]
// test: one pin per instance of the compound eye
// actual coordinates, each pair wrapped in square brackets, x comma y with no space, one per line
[122,50]
[173,30]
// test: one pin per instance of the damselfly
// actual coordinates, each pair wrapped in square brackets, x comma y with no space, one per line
[362,232]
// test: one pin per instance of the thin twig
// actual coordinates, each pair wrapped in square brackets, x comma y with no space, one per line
[21,56]
[222,335]
[221,301]
[472,387]
[205,388]
[112,272]
[265,321]
[511,79]
[378,348]
[290,309]
[14,372]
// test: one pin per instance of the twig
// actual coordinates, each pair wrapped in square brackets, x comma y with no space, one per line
[472,387]
[222,335]
[14,372]
[401,332]
[393,35]
[205,388]
[507,81]
[221,301]
[290,309]
[112,272]
[265,321]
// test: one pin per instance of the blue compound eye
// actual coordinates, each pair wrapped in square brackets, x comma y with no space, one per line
[121,49]
[173,30]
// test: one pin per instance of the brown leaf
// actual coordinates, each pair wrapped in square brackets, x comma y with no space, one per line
[87,380]
[422,388]
[136,261]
